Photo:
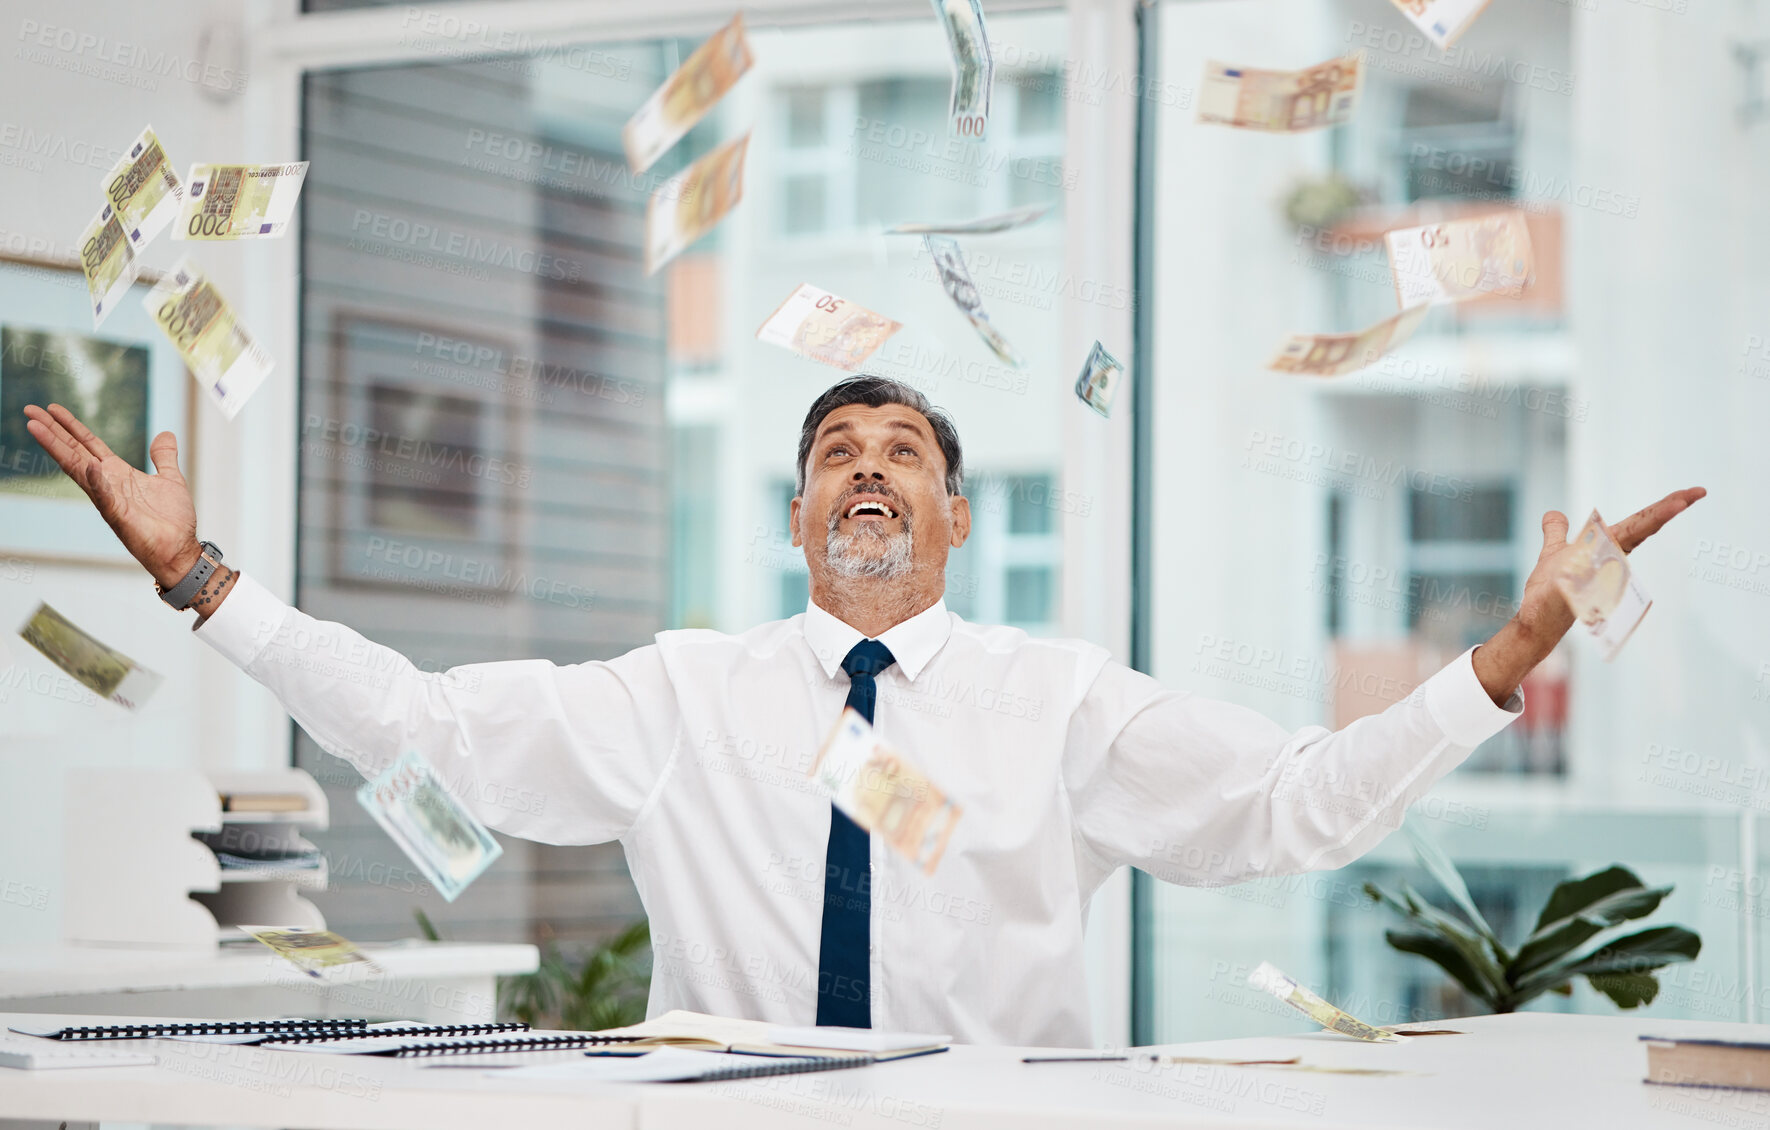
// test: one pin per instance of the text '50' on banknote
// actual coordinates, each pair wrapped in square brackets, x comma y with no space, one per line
[1461,259]
[817,324]
[239,201]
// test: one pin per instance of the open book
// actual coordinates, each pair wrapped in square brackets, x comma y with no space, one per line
[683,1029]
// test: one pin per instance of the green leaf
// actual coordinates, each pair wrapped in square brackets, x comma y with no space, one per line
[1439,866]
[1626,990]
[425,926]
[1474,950]
[1561,937]
[1575,895]
[1636,953]
[1450,957]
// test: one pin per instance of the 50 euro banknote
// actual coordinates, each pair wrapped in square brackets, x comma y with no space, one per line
[1333,355]
[1601,588]
[1442,21]
[224,358]
[239,201]
[817,324]
[882,791]
[687,206]
[1282,101]
[686,96]
[1461,259]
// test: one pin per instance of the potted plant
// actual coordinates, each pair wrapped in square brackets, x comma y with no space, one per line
[1575,936]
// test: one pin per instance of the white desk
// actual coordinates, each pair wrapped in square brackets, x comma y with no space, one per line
[1507,1073]
[446,982]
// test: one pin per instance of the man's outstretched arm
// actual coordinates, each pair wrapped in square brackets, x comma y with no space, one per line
[557,754]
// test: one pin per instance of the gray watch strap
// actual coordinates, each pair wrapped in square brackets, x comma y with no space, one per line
[180,595]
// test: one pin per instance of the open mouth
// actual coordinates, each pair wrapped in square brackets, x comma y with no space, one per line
[870,507]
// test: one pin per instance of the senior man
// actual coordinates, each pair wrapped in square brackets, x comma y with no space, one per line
[766,902]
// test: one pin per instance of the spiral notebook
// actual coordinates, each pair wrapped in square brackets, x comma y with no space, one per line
[382,1030]
[416,1044]
[682,1065]
[152,1029]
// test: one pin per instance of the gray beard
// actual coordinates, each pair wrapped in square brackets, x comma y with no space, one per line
[847,556]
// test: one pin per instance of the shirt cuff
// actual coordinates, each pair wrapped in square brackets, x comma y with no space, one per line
[1460,704]
[246,622]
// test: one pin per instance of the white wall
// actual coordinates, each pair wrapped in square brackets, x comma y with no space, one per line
[77,84]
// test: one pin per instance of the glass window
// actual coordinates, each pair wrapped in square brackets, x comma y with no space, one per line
[570,455]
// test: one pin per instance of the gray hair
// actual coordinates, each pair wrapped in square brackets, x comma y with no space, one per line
[876,392]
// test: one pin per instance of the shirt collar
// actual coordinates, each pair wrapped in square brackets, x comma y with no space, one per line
[913,642]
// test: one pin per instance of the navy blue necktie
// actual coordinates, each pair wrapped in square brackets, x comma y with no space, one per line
[844,977]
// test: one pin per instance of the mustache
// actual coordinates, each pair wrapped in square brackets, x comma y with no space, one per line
[872,490]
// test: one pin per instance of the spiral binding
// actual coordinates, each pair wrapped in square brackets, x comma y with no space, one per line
[202,1028]
[782,1067]
[309,1037]
[533,1043]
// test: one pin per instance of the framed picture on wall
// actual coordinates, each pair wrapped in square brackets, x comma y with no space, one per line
[419,447]
[124,379]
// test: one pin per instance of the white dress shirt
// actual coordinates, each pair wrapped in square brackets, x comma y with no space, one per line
[693,753]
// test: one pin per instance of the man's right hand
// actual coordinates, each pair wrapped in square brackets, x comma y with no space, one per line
[152,515]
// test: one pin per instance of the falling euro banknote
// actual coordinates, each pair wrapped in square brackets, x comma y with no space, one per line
[983,225]
[1333,355]
[1601,588]
[950,262]
[879,789]
[311,951]
[817,324]
[1442,21]
[108,263]
[1100,378]
[444,840]
[1268,978]
[1461,259]
[143,190]
[239,201]
[686,96]
[1281,101]
[103,670]
[225,359]
[687,206]
[974,68]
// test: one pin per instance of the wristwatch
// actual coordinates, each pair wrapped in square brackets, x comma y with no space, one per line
[180,595]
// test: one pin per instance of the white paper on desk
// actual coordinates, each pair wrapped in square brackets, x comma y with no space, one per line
[665,1065]
[854,1039]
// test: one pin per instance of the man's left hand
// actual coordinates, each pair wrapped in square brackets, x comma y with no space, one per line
[1543,615]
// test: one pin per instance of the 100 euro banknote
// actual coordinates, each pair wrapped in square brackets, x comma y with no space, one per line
[1461,259]
[143,190]
[882,791]
[1601,588]
[102,670]
[1333,355]
[687,206]
[686,96]
[817,324]
[1282,101]
[108,262]
[239,201]
[1268,978]
[226,360]
[444,840]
